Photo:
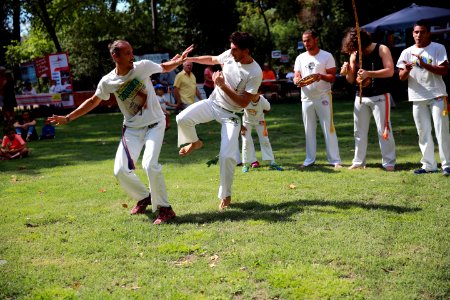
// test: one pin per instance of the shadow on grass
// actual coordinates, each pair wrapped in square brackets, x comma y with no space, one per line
[254,210]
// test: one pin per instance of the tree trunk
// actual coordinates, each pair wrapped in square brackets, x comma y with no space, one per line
[43,14]
[16,20]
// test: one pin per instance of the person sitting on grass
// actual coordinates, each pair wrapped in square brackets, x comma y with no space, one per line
[26,126]
[13,146]
[254,118]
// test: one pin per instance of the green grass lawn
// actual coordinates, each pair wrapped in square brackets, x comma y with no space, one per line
[320,233]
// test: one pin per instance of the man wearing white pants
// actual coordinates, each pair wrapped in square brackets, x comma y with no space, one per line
[423,65]
[235,86]
[316,98]
[143,125]
[375,72]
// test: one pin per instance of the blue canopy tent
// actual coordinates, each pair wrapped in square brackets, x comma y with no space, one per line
[406,18]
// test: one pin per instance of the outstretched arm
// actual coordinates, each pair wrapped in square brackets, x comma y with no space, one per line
[84,108]
[176,60]
[204,60]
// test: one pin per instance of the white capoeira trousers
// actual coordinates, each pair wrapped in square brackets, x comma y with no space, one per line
[205,111]
[322,109]
[135,139]
[248,147]
[424,112]
[362,114]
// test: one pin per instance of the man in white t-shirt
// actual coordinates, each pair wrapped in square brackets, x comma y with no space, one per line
[143,125]
[235,86]
[316,98]
[423,65]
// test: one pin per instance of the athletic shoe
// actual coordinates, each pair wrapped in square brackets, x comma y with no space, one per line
[165,214]
[141,206]
[245,169]
[423,171]
[255,164]
[274,166]
[446,171]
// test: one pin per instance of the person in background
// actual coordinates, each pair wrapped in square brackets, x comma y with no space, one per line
[168,78]
[143,125]
[26,126]
[235,86]
[254,118]
[13,146]
[208,84]
[159,90]
[8,92]
[28,89]
[267,85]
[317,99]
[185,87]
[48,130]
[374,75]
[55,88]
[423,65]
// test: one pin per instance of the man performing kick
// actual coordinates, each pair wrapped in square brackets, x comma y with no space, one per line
[235,86]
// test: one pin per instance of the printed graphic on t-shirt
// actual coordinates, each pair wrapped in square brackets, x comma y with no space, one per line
[251,112]
[426,60]
[133,95]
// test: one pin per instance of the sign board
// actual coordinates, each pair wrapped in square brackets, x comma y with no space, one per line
[284,58]
[41,66]
[28,72]
[276,54]
[155,57]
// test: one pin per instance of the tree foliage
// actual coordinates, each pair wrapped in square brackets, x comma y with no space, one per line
[83,28]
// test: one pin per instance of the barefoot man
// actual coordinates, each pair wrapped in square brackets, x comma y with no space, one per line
[235,86]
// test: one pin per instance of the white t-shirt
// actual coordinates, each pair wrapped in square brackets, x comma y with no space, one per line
[240,77]
[162,101]
[254,112]
[132,91]
[423,84]
[307,64]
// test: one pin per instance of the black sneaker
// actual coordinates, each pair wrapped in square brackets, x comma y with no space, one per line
[446,171]
[423,171]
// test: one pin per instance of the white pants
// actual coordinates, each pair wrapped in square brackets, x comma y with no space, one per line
[135,139]
[205,111]
[423,111]
[362,114]
[248,148]
[311,110]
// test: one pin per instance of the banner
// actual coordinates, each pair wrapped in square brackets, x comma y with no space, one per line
[41,66]
[28,72]
[60,72]
[155,57]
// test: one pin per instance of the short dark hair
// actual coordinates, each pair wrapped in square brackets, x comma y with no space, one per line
[114,47]
[312,32]
[423,23]
[243,40]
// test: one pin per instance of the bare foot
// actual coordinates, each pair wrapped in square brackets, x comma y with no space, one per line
[354,167]
[225,203]
[186,150]
[337,166]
